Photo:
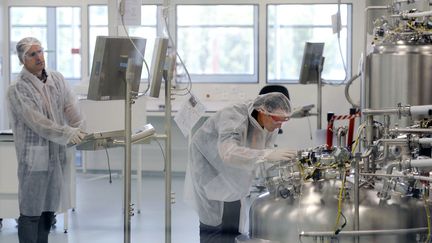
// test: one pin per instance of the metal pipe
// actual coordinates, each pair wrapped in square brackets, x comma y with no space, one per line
[425,140]
[421,110]
[416,15]
[341,132]
[386,135]
[389,111]
[386,126]
[381,175]
[319,91]
[421,163]
[369,130]
[411,130]
[390,168]
[352,233]
[168,161]
[357,194]
[127,165]
[401,111]
[347,86]
[422,178]
[366,159]
[160,136]
[392,141]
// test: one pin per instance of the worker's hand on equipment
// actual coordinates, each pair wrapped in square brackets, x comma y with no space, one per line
[281,154]
[77,137]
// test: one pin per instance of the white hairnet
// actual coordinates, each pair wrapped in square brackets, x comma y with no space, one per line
[24,45]
[273,103]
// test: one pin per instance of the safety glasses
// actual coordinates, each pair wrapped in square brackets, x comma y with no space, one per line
[278,119]
[35,53]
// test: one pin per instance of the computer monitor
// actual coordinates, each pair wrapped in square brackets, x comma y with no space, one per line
[157,66]
[113,57]
[312,58]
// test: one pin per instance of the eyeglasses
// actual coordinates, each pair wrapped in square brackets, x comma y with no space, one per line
[35,53]
[279,119]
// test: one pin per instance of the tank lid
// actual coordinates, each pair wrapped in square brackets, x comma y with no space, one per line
[402,48]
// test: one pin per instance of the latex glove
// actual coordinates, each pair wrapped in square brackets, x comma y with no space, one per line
[77,137]
[280,154]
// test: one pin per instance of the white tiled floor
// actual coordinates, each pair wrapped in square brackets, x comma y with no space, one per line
[98,216]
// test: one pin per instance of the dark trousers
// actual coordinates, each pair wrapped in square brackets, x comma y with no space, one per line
[228,230]
[34,229]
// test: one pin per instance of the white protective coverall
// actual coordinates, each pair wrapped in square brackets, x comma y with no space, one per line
[44,117]
[224,155]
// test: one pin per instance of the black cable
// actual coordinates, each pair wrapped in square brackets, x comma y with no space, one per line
[343,225]
[162,151]
[109,167]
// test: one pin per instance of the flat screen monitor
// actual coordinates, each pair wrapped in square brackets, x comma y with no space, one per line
[312,58]
[157,66]
[113,57]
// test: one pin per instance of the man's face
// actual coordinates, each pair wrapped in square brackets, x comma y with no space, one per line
[34,60]
[271,122]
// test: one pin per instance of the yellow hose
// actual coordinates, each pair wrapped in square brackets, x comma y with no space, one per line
[340,199]
[428,219]
[360,128]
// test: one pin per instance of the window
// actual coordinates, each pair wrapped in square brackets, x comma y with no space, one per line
[62,49]
[290,26]
[149,29]
[98,25]
[218,43]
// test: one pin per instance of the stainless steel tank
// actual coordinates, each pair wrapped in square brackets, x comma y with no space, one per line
[398,74]
[279,219]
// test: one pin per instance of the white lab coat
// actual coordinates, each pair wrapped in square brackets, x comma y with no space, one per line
[44,117]
[224,155]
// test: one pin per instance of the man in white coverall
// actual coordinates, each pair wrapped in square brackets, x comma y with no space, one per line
[225,152]
[45,118]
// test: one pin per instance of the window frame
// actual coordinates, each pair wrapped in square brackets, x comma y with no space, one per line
[89,54]
[50,27]
[349,44]
[261,53]
[227,78]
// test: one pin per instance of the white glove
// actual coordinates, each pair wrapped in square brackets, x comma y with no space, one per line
[280,154]
[77,137]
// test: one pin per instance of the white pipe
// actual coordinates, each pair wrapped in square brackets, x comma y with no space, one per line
[380,111]
[410,130]
[422,178]
[419,110]
[416,15]
[362,232]
[347,86]
[425,140]
[421,163]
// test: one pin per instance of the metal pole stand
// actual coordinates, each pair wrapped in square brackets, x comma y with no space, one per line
[319,102]
[127,206]
[168,169]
